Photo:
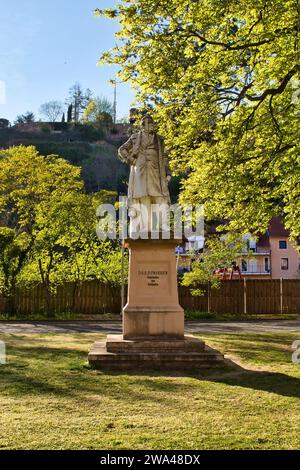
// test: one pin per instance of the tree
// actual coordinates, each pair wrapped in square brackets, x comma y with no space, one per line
[48,226]
[226,99]
[66,236]
[79,99]
[99,111]
[14,248]
[26,118]
[30,185]
[220,252]
[4,123]
[70,113]
[52,110]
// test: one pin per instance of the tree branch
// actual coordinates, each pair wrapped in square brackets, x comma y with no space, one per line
[275,91]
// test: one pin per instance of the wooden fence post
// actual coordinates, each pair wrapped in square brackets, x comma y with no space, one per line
[245,296]
[208,298]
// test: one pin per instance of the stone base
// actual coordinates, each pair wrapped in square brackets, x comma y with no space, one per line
[153,353]
[167,322]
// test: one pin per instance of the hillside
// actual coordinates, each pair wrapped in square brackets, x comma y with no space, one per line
[95,153]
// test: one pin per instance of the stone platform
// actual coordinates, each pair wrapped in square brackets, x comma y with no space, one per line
[153,353]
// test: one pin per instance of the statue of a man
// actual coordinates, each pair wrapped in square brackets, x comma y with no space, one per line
[148,192]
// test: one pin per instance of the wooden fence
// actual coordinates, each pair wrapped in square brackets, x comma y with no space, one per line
[248,296]
[251,296]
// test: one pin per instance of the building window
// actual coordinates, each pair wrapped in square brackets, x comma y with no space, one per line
[244,265]
[252,245]
[267,265]
[252,266]
[282,244]
[284,264]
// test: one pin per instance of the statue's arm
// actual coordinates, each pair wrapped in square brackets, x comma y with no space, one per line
[125,152]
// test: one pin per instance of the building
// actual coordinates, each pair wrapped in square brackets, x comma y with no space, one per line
[188,252]
[272,256]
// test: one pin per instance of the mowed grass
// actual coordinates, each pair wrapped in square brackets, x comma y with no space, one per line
[51,399]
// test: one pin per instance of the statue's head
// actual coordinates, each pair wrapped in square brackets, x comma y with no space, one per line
[148,124]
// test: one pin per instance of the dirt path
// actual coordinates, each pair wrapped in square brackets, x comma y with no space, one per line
[116,327]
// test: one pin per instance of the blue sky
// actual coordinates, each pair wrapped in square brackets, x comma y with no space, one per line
[48,45]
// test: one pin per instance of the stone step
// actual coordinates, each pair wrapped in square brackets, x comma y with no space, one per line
[116,344]
[100,358]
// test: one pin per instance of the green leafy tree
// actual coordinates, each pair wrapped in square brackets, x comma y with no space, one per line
[48,233]
[66,236]
[29,186]
[99,111]
[221,77]
[96,107]
[14,248]
[66,247]
[220,252]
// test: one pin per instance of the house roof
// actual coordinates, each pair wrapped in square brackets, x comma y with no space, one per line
[277,229]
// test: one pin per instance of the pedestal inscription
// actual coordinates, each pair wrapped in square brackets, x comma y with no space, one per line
[156,277]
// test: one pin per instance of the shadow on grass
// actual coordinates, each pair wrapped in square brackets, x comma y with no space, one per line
[271,382]
[64,372]
[232,375]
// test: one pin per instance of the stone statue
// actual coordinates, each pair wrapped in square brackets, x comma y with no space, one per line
[148,193]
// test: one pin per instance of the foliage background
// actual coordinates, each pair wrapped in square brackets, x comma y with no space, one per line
[225,99]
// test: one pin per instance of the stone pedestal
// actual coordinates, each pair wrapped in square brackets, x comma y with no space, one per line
[153,321]
[153,307]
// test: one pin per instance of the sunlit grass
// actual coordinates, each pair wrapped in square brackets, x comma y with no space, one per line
[51,399]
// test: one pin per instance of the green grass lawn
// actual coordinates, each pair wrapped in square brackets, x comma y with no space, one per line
[51,399]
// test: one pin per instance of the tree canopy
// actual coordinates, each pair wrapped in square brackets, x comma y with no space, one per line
[100,111]
[78,100]
[48,224]
[221,77]
[26,118]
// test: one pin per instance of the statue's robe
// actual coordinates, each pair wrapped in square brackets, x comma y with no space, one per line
[149,167]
